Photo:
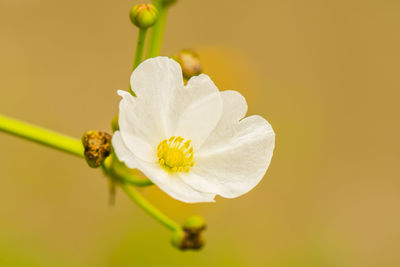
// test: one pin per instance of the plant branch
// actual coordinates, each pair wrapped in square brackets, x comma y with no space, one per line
[157,31]
[119,172]
[149,208]
[41,135]
[139,47]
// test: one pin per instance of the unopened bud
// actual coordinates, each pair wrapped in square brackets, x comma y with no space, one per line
[190,63]
[115,124]
[194,222]
[177,238]
[143,15]
[190,236]
[97,147]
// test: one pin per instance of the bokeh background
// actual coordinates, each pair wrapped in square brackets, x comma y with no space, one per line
[324,73]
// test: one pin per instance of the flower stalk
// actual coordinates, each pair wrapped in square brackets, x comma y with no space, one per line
[149,208]
[41,135]
[157,31]
[139,47]
[115,169]
[139,52]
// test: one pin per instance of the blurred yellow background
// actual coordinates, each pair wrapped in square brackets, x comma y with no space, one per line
[325,75]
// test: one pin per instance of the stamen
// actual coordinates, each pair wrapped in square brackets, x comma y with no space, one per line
[175,155]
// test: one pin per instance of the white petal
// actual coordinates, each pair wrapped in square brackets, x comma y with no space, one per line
[196,110]
[173,185]
[155,82]
[234,109]
[197,121]
[123,152]
[237,165]
[138,128]
[156,79]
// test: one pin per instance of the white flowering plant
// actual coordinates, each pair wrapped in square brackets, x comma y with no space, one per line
[175,126]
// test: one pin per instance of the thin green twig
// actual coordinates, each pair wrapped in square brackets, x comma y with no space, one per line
[119,172]
[41,135]
[111,168]
[139,47]
[157,31]
[149,208]
[139,53]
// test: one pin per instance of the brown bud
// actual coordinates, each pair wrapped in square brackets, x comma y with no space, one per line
[190,236]
[190,63]
[193,239]
[97,147]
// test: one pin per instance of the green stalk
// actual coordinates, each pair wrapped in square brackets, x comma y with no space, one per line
[114,169]
[41,135]
[157,31]
[139,48]
[149,208]
[131,179]
[119,172]
[139,53]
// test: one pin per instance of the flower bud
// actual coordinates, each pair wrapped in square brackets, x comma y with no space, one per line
[115,124]
[143,15]
[194,222]
[97,147]
[190,236]
[177,238]
[190,63]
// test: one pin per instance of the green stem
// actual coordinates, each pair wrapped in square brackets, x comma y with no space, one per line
[131,179]
[118,171]
[157,31]
[41,135]
[139,53]
[149,208]
[139,48]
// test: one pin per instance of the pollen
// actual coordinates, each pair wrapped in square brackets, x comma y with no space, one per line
[175,154]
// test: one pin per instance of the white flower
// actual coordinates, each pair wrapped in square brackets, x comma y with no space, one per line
[191,141]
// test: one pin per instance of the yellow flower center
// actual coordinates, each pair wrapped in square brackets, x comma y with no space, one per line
[175,154]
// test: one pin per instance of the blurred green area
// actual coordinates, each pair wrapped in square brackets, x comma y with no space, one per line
[324,73]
